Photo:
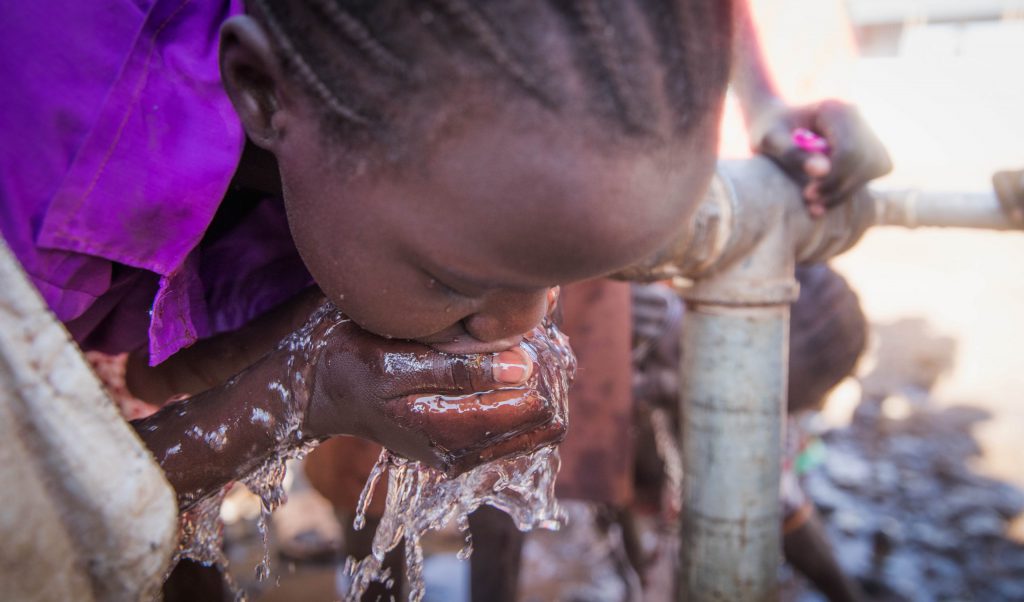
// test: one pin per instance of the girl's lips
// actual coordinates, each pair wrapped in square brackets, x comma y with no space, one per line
[465,345]
[456,340]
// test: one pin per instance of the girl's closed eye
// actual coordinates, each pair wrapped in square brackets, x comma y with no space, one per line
[435,284]
[454,286]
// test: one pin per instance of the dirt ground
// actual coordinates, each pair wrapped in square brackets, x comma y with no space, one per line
[957,296]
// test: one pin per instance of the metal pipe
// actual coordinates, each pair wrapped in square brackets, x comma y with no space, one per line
[735,258]
[913,209]
[733,385]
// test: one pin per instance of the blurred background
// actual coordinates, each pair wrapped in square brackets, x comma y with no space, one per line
[942,83]
[920,499]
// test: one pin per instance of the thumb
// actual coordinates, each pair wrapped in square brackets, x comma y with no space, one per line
[429,371]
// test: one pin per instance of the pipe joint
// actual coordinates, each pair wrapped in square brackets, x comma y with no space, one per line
[753,214]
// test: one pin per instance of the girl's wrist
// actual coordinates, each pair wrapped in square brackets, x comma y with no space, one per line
[316,407]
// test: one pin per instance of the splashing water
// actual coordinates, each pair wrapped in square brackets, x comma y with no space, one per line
[266,483]
[201,530]
[421,499]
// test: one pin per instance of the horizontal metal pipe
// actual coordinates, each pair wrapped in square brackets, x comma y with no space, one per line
[914,209]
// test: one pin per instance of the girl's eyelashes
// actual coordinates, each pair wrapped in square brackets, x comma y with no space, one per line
[456,285]
[434,284]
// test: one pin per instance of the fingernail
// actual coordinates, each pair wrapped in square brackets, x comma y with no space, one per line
[512,367]
[817,166]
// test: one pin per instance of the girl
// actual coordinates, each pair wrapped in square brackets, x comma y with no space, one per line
[435,168]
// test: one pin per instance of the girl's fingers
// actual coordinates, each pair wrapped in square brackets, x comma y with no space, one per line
[422,370]
[549,434]
[553,294]
[476,421]
[805,167]
[779,147]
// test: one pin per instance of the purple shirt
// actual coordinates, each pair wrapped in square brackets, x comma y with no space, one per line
[119,143]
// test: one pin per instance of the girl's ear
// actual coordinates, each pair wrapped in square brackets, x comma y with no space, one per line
[253,78]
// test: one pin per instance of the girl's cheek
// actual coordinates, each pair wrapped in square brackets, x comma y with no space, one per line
[412,319]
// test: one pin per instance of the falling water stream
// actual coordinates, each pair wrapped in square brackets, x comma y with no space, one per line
[201,537]
[419,498]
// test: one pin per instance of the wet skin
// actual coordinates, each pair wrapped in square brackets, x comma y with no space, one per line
[493,202]
[349,382]
[456,249]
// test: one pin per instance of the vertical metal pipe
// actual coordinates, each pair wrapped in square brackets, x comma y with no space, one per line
[734,379]
[735,348]
[738,252]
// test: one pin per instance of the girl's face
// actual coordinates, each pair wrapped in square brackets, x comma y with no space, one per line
[459,247]
[458,243]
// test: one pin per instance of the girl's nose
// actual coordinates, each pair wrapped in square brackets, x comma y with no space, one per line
[508,314]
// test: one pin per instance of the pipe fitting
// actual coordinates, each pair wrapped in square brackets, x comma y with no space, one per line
[751,203]
[738,252]
[735,258]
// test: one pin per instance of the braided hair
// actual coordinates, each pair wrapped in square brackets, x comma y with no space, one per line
[644,65]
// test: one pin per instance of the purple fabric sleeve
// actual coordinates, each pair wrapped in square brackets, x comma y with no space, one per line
[119,145]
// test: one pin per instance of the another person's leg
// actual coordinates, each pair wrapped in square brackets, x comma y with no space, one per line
[828,333]
[497,555]
[807,549]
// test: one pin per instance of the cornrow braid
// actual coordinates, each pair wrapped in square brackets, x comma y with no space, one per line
[305,72]
[600,35]
[639,60]
[666,22]
[487,37]
[361,37]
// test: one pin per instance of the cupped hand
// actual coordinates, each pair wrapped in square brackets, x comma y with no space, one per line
[448,411]
[854,157]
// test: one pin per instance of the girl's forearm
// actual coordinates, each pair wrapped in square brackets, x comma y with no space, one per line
[209,362]
[204,442]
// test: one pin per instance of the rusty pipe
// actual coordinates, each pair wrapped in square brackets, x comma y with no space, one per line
[739,255]
[735,261]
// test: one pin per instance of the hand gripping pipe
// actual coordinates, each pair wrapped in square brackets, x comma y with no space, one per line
[736,256]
